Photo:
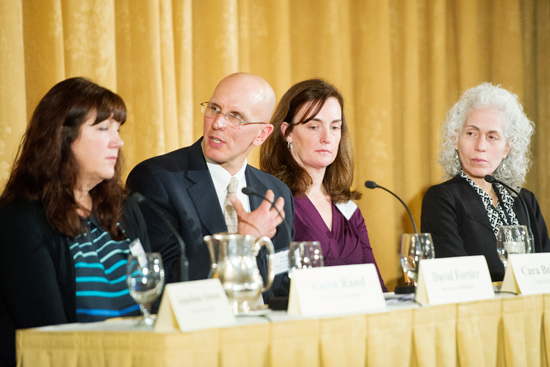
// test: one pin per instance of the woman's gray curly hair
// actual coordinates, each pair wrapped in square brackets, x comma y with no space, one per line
[518,130]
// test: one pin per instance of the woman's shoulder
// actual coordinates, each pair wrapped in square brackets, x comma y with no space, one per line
[21,208]
[528,196]
[449,193]
[526,192]
[454,185]
[302,202]
[25,221]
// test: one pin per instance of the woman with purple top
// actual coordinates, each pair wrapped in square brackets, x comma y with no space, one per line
[310,151]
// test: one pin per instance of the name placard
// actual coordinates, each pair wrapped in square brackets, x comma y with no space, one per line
[527,274]
[335,290]
[199,304]
[280,262]
[454,279]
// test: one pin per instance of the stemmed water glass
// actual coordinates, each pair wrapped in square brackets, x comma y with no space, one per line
[145,277]
[303,255]
[415,247]
[512,240]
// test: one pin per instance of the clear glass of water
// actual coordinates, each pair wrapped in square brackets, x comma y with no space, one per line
[414,248]
[512,240]
[145,278]
[303,255]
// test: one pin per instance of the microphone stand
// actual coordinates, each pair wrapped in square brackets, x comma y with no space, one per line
[183,269]
[373,185]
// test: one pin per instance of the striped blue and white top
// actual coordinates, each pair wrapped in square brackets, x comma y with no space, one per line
[100,270]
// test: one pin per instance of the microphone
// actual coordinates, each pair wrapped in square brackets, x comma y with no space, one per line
[491,179]
[249,192]
[183,270]
[405,289]
[373,185]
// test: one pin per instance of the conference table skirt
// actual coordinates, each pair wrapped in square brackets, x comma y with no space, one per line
[510,331]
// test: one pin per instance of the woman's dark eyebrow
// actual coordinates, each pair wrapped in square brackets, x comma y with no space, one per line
[316,119]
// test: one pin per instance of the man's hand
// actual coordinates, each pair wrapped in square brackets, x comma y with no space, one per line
[261,222]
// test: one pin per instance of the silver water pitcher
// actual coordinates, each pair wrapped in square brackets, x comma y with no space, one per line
[234,263]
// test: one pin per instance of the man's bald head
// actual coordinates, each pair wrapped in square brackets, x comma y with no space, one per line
[253,90]
[252,99]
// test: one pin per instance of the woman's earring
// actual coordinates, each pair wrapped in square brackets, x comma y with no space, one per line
[503,164]
[456,154]
[289,145]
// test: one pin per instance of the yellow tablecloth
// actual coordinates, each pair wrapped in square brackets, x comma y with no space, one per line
[498,332]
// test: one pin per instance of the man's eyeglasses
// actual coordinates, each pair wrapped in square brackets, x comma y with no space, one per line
[212,111]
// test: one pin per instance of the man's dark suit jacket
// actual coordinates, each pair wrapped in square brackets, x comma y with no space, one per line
[180,183]
[454,214]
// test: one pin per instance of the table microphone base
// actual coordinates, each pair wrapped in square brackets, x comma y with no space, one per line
[404,289]
[278,303]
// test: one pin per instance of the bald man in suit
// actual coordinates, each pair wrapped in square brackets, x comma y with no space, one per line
[190,184]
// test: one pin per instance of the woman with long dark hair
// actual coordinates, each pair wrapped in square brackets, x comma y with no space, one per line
[310,151]
[65,219]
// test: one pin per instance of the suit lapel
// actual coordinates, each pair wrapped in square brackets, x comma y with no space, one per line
[203,193]
[255,184]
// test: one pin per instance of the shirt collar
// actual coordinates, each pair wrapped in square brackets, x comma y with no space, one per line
[221,177]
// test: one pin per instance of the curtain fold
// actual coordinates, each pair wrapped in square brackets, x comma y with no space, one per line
[13,115]
[399,64]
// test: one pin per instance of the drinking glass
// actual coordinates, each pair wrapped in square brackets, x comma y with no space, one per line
[415,247]
[512,240]
[303,255]
[145,277]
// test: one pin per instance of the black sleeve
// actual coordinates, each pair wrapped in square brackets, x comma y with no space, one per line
[538,224]
[440,218]
[30,295]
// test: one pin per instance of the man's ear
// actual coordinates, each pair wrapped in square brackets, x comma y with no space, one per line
[267,129]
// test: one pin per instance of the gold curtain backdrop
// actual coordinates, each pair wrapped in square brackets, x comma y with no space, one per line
[400,64]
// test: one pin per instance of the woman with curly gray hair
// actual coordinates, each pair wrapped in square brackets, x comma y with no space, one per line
[485,133]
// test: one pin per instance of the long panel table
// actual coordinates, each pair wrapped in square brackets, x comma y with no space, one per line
[504,331]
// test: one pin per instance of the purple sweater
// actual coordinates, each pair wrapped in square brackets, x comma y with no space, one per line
[348,242]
